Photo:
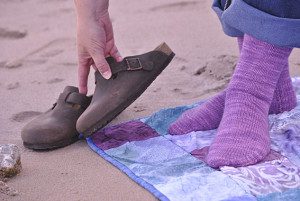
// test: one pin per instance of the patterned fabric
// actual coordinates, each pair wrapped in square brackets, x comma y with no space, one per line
[268,177]
[173,167]
[118,135]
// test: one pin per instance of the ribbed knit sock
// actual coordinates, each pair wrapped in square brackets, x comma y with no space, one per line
[284,98]
[243,135]
[208,115]
[240,41]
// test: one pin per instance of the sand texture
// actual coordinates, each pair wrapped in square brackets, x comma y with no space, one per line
[38,59]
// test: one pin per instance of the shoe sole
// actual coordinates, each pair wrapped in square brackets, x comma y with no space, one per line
[104,121]
[56,145]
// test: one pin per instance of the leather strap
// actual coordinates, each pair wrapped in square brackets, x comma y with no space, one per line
[130,64]
[80,99]
[74,98]
[63,96]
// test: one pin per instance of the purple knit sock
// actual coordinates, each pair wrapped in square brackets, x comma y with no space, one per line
[284,98]
[240,41]
[243,135]
[208,115]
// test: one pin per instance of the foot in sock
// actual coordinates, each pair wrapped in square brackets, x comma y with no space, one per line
[284,98]
[208,115]
[243,135]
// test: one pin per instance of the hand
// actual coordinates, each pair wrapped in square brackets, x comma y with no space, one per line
[95,40]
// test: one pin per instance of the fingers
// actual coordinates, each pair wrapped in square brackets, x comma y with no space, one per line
[102,65]
[115,54]
[111,48]
[83,73]
[96,45]
[94,67]
[91,63]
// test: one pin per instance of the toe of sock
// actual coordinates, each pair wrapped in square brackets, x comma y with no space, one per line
[219,157]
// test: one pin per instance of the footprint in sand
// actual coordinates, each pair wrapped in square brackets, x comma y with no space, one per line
[36,61]
[24,116]
[220,67]
[182,68]
[200,71]
[55,80]
[66,10]
[180,91]
[188,5]
[57,12]
[181,63]
[2,64]
[12,34]
[157,89]
[180,59]
[35,82]
[12,86]
[13,64]
[139,108]
[217,88]
[41,51]
[68,64]
[52,53]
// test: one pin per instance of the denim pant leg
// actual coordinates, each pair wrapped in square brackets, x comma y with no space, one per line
[278,8]
[274,21]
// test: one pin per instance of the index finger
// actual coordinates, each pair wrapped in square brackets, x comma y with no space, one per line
[83,73]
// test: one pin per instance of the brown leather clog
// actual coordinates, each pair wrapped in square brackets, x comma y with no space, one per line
[130,78]
[56,127]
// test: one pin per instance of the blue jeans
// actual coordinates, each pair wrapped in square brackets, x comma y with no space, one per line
[274,21]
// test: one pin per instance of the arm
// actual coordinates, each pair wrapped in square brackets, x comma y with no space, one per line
[95,39]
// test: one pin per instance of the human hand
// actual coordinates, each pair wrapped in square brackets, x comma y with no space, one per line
[95,40]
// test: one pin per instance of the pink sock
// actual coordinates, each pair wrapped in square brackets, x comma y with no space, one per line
[243,135]
[208,115]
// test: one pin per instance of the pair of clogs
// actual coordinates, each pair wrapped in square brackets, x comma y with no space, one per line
[75,113]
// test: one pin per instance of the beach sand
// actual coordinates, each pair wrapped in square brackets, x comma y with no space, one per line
[38,59]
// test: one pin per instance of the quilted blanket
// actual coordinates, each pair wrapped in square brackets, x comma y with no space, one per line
[173,167]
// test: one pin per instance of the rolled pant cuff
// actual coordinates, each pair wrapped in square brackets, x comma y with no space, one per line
[240,18]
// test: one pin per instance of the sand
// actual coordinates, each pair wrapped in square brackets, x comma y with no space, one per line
[38,59]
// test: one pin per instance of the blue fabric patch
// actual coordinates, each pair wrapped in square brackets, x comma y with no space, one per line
[242,198]
[174,172]
[290,195]
[127,171]
[161,120]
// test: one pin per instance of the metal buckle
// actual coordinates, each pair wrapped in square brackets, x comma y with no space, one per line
[129,67]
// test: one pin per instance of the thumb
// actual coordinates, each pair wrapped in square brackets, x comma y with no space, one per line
[102,66]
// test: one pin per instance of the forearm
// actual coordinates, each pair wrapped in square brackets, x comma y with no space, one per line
[91,9]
